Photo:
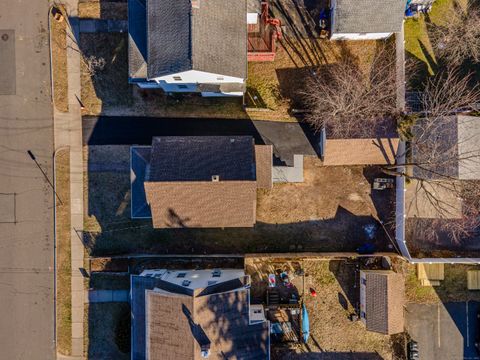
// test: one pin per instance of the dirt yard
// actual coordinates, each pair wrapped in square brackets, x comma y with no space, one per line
[332,334]
[326,213]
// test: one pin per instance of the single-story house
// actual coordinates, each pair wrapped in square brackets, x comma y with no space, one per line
[195,314]
[365,19]
[199,181]
[382,300]
[185,46]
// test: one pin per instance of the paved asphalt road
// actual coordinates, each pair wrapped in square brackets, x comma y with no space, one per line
[288,138]
[26,247]
[444,331]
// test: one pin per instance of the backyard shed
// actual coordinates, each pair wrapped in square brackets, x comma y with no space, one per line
[382,301]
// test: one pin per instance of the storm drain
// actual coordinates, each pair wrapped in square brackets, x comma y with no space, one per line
[7,62]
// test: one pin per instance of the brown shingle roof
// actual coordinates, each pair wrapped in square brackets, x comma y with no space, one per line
[177,325]
[166,333]
[384,301]
[202,203]
[263,161]
[360,151]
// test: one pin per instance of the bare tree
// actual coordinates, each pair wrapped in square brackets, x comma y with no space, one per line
[459,39]
[443,160]
[353,102]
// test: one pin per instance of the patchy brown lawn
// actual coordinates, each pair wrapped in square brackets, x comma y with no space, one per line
[64,308]
[279,85]
[331,332]
[108,86]
[326,213]
[103,10]
[58,35]
[453,288]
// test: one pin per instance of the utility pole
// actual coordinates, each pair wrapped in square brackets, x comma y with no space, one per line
[44,174]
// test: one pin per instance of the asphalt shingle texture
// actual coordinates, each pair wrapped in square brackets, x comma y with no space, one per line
[198,158]
[368,16]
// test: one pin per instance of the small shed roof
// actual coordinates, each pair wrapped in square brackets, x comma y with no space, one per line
[373,151]
[384,301]
[368,16]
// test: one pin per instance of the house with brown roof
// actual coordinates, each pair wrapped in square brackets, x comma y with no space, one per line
[199,181]
[196,314]
[382,300]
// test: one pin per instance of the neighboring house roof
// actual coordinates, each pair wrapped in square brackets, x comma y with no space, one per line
[432,200]
[202,181]
[368,16]
[173,322]
[137,39]
[468,147]
[450,148]
[384,301]
[360,151]
[182,35]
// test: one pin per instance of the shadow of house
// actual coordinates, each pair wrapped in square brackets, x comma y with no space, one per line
[336,355]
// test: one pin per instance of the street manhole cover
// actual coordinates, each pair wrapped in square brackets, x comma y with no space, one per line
[4,37]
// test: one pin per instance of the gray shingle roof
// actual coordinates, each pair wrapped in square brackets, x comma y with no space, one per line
[137,39]
[210,38]
[384,302]
[368,16]
[468,147]
[140,162]
[198,158]
[449,147]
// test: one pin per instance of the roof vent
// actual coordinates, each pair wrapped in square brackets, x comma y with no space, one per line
[215,178]
[186,282]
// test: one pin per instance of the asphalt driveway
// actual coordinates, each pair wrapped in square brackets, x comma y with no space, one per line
[287,139]
[444,331]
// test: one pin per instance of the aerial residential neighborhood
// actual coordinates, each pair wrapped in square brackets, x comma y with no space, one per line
[240,179]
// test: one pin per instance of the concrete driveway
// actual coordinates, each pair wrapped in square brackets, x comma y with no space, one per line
[444,331]
[287,139]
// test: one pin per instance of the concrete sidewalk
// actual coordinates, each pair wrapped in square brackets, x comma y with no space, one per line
[68,133]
